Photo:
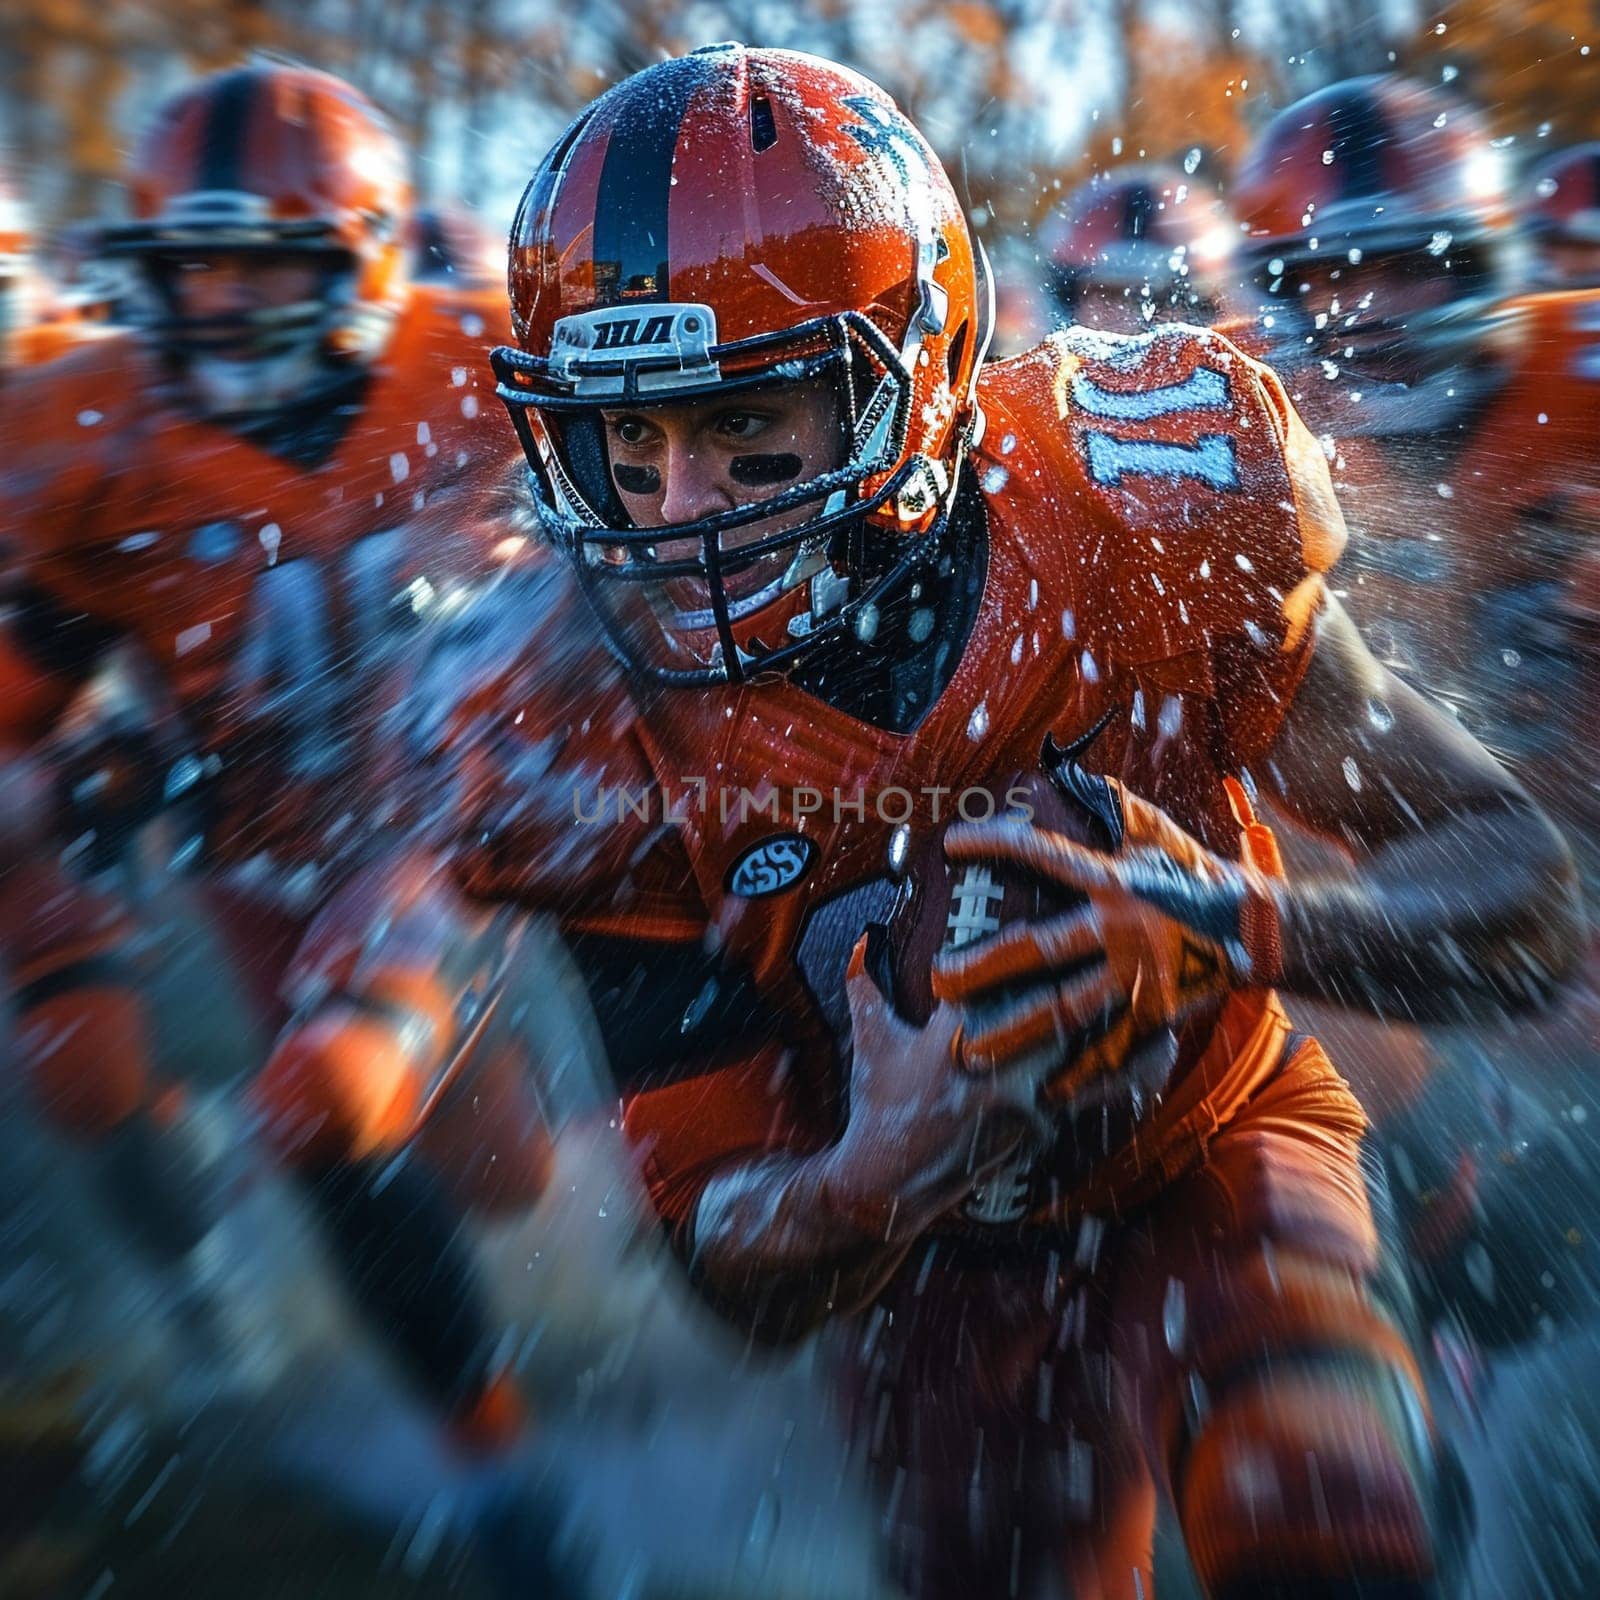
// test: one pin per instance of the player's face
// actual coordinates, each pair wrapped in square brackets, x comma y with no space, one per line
[679,463]
[235,285]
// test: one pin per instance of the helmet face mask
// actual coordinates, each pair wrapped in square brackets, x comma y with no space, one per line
[1400,316]
[1374,235]
[264,349]
[692,581]
[842,260]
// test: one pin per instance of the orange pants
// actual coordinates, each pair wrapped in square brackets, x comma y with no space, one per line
[1232,1346]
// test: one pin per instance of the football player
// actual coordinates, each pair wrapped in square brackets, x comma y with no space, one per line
[1136,246]
[1560,214]
[828,572]
[258,491]
[1460,419]
[1376,230]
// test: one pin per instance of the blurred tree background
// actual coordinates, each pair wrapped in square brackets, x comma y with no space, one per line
[1022,97]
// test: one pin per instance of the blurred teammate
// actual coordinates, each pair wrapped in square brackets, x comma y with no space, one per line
[1461,419]
[1136,246]
[1464,415]
[815,547]
[256,493]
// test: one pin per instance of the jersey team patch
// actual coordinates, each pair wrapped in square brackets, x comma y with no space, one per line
[771,866]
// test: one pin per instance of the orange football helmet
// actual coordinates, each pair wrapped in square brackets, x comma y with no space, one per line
[734,218]
[1374,173]
[1141,236]
[266,161]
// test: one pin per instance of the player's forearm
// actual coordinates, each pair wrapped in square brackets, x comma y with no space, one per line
[779,1245]
[1478,915]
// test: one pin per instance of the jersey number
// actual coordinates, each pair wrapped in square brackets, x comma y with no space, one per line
[1112,457]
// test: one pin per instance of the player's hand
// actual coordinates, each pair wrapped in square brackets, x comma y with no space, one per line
[925,1127]
[1164,926]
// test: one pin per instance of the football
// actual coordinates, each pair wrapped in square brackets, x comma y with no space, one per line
[943,905]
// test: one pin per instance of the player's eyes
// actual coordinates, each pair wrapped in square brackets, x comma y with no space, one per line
[632,431]
[741,424]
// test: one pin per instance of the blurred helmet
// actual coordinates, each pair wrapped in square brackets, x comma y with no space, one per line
[450,245]
[264,162]
[732,219]
[1384,174]
[1560,213]
[1140,238]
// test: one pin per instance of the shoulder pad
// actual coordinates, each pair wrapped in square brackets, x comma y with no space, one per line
[1174,468]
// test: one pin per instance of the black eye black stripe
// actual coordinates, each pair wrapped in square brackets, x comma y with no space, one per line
[636,480]
[755,471]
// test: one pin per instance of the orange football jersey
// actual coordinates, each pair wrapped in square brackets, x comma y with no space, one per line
[262,590]
[1158,526]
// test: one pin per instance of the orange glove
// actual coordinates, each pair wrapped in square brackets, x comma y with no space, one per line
[1166,926]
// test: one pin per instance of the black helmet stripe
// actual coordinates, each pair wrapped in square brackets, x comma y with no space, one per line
[1140,212]
[1358,132]
[631,201]
[222,142]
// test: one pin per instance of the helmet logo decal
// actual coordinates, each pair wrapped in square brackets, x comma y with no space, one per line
[605,351]
[621,332]
[879,134]
[772,866]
